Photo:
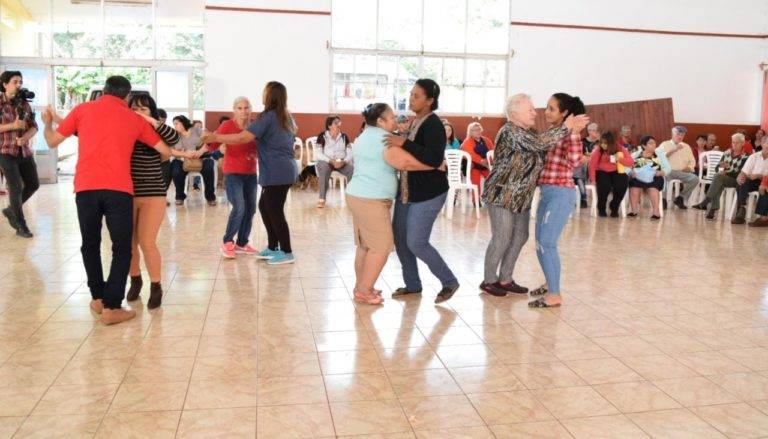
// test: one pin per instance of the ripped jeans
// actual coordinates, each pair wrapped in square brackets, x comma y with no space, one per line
[555,206]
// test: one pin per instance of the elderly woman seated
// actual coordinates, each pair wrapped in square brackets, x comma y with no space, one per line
[477,146]
[655,160]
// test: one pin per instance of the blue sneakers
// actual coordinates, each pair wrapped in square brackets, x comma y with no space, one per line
[280,257]
[267,253]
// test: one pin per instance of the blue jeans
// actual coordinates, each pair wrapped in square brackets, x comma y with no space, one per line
[241,192]
[412,226]
[555,206]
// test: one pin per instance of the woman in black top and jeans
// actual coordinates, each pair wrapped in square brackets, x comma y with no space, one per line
[422,194]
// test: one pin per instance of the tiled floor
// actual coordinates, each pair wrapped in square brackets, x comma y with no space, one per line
[664,334]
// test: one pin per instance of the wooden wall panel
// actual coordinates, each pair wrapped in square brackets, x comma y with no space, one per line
[654,117]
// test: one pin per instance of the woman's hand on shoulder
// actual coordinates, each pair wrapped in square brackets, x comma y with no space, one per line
[393,140]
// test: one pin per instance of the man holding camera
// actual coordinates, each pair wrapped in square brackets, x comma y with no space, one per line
[17,127]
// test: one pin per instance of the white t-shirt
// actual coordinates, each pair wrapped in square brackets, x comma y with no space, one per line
[755,164]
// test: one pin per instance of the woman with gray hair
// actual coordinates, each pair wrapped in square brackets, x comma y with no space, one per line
[519,157]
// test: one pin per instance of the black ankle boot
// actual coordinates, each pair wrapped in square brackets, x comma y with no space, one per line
[135,290]
[155,295]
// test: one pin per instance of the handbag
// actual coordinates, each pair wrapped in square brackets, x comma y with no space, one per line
[192,165]
[645,174]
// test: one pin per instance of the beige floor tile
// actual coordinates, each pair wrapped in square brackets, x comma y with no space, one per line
[357,418]
[222,423]
[345,362]
[85,370]
[711,363]
[616,426]
[149,397]
[159,369]
[676,423]
[227,367]
[659,367]
[342,341]
[467,355]
[220,394]
[19,401]
[436,412]
[636,397]
[509,407]
[735,420]
[294,421]
[76,399]
[695,391]
[291,390]
[9,425]
[431,382]
[456,433]
[753,358]
[358,387]
[157,347]
[574,402]
[531,430]
[603,371]
[284,364]
[45,427]
[748,386]
[498,378]
[545,375]
[529,352]
[139,425]
[395,360]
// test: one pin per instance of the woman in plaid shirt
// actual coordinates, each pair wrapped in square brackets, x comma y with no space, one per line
[557,197]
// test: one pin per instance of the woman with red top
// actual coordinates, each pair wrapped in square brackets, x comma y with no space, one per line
[240,179]
[477,146]
[557,195]
[605,173]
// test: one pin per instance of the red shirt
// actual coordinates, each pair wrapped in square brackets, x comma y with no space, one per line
[561,159]
[107,131]
[602,162]
[748,148]
[241,157]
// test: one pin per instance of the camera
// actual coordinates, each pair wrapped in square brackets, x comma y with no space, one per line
[25,95]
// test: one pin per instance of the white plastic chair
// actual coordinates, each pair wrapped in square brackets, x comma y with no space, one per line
[592,191]
[191,178]
[298,143]
[707,172]
[728,202]
[340,180]
[460,183]
[311,145]
[674,187]
[751,204]
[490,157]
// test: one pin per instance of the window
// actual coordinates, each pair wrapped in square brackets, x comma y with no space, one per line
[25,28]
[380,48]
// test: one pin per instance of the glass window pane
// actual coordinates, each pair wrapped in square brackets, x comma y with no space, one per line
[399,25]
[365,68]
[343,96]
[172,89]
[432,68]
[354,24]
[473,100]
[180,29]
[476,71]
[453,71]
[128,31]
[387,69]
[76,29]
[24,26]
[198,89]
[488,27]
[496,72]
[409,69]
[452,99]
[494,100]
[444,25]
[74,84]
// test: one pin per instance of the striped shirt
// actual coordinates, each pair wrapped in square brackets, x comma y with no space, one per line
[146,165]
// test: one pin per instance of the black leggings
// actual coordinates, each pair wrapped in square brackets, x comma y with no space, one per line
[607,183]
[271,208]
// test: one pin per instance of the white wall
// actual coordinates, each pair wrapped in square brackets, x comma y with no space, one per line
[245,50]
[711,80]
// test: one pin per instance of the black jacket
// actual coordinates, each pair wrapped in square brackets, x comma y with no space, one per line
[429,148]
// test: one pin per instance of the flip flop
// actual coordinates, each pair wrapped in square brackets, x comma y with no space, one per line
[542,303]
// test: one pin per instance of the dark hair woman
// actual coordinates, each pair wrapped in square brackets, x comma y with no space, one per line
[191,141]
[451,141]
[151,177]
[17,162]
[556,202]
[332,153]
[274,132]
[606,172]
[656,160]
[422,194]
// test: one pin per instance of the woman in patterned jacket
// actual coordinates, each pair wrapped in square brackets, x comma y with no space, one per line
[519,157]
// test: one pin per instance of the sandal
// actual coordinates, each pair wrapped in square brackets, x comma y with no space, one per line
[631,214]
[367,300]
[542,303]
[655,217]
[542,290]
[402,291]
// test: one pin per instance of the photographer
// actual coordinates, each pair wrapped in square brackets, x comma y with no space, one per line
[17,127]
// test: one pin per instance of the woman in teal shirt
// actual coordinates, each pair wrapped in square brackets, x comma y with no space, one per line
[369,197]
[451,142]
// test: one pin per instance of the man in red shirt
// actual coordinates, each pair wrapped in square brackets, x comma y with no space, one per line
[107,131]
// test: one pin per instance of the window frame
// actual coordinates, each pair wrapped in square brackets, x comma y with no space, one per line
[421,55]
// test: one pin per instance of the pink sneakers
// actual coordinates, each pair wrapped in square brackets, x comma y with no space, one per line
[247,249]
[228,250]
